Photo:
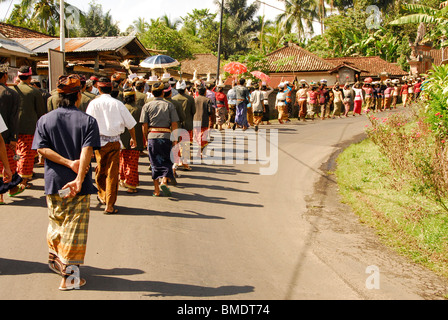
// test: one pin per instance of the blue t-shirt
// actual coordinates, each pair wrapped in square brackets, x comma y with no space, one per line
[66,131]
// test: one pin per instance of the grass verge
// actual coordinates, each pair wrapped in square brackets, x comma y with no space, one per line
[409,223]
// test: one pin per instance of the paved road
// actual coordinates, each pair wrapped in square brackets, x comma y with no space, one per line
[227,233]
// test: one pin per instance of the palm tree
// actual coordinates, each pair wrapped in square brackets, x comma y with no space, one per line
[172,24]
[42,15]
[140,25]
[299,14]
[239,26]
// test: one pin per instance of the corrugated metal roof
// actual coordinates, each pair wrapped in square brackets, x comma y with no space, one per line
[15,47]
[77,44]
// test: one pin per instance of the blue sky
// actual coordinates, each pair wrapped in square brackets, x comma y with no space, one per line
[126,11]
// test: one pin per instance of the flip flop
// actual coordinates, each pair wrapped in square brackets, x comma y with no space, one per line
[166,191]
[110,213]
[155,195]
[100,201]
[21,189]
[53,268]
[2,203]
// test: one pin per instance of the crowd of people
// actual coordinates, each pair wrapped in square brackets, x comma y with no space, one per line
[116,120]
[318,100]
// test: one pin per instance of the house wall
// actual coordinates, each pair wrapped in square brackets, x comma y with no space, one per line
[310,76]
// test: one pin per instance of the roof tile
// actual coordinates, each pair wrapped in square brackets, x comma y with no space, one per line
[293,58]
[371,66]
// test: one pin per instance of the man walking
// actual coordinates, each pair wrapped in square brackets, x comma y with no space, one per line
[112,117]
[9,110]
[31,108]
[66,139]
[159,119]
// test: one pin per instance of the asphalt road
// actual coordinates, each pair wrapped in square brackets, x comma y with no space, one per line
[228,233]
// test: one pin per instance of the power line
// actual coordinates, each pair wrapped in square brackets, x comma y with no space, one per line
[282,10]
[9,7]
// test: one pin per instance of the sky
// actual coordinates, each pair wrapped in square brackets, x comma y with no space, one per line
[125,11]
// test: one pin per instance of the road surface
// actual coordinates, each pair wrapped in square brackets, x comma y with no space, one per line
[227,233]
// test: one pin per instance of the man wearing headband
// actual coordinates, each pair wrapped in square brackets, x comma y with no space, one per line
[113,118]
[32,107]
[189,109]
[159,118]
[66,138]
[129,157]
[9,110]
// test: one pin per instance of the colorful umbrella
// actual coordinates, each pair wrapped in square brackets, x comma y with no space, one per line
[159,62]
[235,68]
[260,75]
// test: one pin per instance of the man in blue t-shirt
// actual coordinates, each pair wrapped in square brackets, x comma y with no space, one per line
[66,138]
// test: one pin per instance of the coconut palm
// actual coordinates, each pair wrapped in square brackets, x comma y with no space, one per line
[299,16]
[172,24]
[43,15]
[140,25]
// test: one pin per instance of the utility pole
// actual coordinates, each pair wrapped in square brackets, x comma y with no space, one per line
[219,42]
[62,25]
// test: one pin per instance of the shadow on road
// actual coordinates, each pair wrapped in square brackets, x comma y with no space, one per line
[104,280]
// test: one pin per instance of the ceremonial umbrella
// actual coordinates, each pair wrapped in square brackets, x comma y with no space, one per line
[159,62]
[235,68]
[260,75]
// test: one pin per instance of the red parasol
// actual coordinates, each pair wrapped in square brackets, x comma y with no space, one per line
[235,68]
[260,75]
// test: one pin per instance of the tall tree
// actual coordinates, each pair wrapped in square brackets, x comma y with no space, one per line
[99,24]
[44,16]
[299,16]
[170,23]
[239,26]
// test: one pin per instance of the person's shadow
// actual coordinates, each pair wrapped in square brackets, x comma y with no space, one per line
[107,280]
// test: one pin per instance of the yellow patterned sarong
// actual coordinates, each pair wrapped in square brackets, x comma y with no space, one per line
[68,228]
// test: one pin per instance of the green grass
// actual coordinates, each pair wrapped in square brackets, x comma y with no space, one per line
[409,223]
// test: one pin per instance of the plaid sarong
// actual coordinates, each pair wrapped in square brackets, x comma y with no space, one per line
[67,230]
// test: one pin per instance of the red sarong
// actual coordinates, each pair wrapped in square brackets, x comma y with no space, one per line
[25,165]
[129,168]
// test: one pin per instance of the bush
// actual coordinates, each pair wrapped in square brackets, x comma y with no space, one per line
[415,151]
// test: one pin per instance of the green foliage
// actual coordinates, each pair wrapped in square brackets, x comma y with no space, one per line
[161,37]
[436,91]
[98,24]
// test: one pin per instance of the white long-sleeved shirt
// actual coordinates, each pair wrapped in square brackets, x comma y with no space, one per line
[112,116]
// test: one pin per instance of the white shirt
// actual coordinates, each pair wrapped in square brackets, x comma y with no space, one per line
[281,99]
[256,100]
[112,116]
[3,126]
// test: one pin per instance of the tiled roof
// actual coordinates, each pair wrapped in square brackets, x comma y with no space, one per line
[203,63]
[371,66]
[293,58]
[11,31]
